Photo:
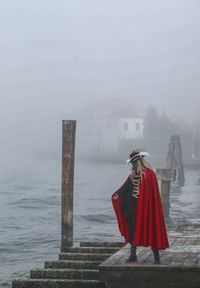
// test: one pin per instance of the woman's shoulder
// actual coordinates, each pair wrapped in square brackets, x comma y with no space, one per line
[150,172]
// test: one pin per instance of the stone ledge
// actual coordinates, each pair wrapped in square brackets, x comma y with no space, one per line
[180,267]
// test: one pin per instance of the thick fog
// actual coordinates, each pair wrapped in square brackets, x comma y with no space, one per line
[129,72]
[61,57]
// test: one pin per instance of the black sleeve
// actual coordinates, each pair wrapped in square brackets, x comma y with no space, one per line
[123,188]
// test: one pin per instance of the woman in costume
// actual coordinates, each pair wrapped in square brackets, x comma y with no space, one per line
[138,208]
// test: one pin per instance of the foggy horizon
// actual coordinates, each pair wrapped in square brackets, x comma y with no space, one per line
[59,58]
[128,72]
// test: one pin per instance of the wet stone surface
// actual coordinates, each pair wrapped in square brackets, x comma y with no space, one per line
[179,267]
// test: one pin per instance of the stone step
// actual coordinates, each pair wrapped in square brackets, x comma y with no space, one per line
[84,256]
[55,283]
[96,250]
[101,244]
[64,274]
[75,264]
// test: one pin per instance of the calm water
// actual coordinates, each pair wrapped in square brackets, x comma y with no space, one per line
[30,210]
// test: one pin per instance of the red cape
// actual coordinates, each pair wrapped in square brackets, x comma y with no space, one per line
[150,223]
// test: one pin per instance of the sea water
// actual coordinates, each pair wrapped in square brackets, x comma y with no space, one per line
[30,214]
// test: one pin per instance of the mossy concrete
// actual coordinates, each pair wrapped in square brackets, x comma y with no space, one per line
[76,264]
[84,256]
[101,244]
[95,250]
[67,283]
[64,274]
[77,268]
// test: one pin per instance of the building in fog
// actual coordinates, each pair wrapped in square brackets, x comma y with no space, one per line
[117,131]
[131,128]
[109,129]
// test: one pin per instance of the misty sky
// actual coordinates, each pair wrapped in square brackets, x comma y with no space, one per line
[60,56]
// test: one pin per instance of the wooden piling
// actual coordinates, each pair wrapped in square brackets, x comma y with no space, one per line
[174,158]
[68,155]
[166,176]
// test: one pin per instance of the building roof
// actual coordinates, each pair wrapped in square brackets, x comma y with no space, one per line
[112,108]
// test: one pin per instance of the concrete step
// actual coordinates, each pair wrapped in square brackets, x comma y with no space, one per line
[55,283]
[75,264]
[96,250]
[101,244]
[64,274]
[84,256]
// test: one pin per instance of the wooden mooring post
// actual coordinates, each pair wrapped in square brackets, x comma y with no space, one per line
[175,159]
[166,176]
[68,155]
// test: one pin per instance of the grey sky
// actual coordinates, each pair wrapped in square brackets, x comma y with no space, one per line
[93,49]
[60,56]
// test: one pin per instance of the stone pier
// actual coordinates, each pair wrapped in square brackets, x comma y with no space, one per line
[180,264]
[103,265]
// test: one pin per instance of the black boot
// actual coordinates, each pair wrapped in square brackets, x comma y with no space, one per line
[133,256]
[156,256]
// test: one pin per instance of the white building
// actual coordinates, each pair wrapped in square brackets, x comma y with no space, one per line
[131,128]
[115,131]
[110,128]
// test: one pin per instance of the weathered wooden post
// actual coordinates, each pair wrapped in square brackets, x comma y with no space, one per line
[68,155]
[166,176]
[174,158]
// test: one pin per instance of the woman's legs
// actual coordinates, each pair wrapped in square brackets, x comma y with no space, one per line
[132,225]
[133,256]
[156,256]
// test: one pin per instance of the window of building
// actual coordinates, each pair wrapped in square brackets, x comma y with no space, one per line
[137,126]
[125,126]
